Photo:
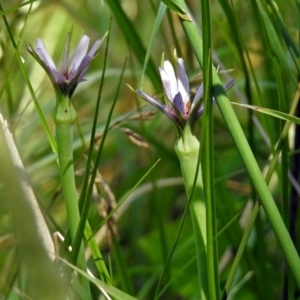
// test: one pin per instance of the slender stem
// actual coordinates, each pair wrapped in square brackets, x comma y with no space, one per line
[187,149]
[64,118]
[208,158]
[208,175]
[65,158]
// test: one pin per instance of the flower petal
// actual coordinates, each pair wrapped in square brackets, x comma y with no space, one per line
[200,110]
[95,47]
[81,74]
[229,84]
[43,54]
[58,76]
[151,100]
[169,81]
[178,103]
[198,95]
[165,109]
[83,67]
[79,53]
[182,81]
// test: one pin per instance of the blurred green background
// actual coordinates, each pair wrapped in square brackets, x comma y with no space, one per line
[146,227]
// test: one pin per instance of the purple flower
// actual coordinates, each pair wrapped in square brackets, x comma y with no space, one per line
[72,71]
[179,107]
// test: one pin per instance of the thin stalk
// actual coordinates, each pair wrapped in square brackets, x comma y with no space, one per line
[208,159]
[64,118]
[64,136]
[241,142]
[208,181]
[187,149]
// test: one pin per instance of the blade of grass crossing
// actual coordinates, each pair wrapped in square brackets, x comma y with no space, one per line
[207,159]
[134,41]
[160,14]
[288,280]
[276,16]
[84,201]
[95,169]
[243,53]
[104,287]
[272,112]
[276,46]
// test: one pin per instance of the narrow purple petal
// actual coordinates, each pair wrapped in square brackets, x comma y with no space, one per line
[151,100]
[167,110]
[79,53]
[182,81]
[43,54]
[229,84]
[200,110]
[169,81]
[170,113]
[82,68]
[198,95]
[84,64]
[81,74]
[95,47]
[178,103]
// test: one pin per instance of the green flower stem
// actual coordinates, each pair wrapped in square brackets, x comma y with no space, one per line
[187,149]
[64,118]
[238,135]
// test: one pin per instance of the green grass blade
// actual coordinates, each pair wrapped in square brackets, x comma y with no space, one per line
[84,201]
[131,35]
[87,198]
[104,287]
[207,160]
[275,44]
[160,14]
[271,112]
[275,14]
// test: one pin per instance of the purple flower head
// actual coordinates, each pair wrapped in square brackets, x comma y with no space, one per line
[72,71]
[179,107]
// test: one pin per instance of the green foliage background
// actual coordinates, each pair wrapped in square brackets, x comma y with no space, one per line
[251,44]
